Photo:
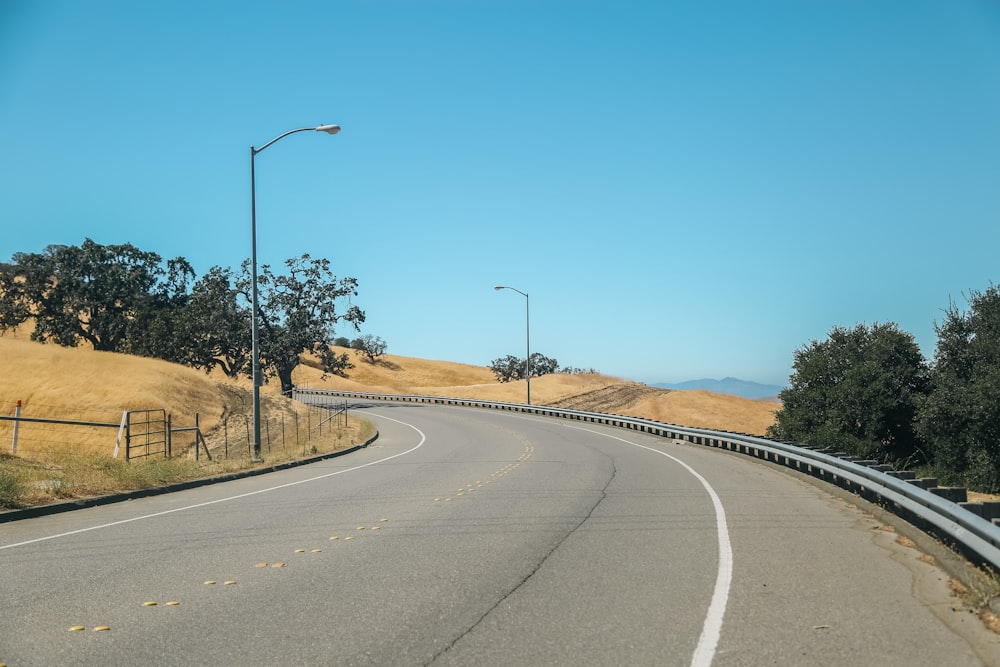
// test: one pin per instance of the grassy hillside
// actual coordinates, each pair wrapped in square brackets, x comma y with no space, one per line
[56,461]
[395,374]
[79,383]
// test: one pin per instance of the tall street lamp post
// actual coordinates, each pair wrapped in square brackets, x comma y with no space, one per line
[527,338]
[254,330]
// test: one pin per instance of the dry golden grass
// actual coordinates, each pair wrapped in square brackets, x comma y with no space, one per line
[396,374]
[990,620]
[704,409]
[61,461]
[49,379]
[79,383]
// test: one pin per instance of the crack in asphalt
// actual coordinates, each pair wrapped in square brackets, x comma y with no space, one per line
[538,566]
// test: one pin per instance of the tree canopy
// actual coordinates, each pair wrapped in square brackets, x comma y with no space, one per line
[298,311]
[217,325]
[121,299]
[857,391]
[960,419]
[510,368]
[92,292]
[372,347]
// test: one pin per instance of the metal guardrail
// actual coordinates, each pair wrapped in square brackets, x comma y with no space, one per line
[976,537]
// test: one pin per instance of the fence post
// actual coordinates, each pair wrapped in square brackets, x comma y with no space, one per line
[121,430]
[199,439]
[225,435]
[17,424]
[170,433]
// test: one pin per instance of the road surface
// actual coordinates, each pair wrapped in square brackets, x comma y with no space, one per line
[465,536]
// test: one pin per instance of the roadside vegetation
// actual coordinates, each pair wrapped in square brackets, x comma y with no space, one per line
[869,392]
[56,462]
[67,472]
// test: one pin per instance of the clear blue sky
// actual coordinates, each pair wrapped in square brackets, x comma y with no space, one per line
[685,189]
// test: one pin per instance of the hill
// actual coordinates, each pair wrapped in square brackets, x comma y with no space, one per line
[601,393]
[79,383]
[729,385]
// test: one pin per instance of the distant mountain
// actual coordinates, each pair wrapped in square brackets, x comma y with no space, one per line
[735,386]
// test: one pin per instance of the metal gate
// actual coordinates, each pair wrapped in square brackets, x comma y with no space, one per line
[146,434]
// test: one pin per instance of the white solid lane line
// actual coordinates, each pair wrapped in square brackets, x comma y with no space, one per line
[711,629]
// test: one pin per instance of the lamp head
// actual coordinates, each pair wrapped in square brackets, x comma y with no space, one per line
[329,129]
[498,287]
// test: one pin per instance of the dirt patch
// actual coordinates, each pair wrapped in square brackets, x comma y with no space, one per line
[610,400]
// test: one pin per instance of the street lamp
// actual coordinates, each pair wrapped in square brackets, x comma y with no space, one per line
[254,331]
[527,338]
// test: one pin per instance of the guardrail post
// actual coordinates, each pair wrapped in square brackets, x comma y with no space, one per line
[956,494]
[991,509]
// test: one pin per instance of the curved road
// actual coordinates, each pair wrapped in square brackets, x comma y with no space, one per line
[467,536]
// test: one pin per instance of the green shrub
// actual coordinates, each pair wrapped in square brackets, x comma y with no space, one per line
[11,489]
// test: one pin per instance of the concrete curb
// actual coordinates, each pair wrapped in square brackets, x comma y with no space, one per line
[7,516]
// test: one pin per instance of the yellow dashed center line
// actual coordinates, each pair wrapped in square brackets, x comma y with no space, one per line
[529,450]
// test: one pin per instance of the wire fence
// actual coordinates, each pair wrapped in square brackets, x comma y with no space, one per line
[34,429]
[233,438]
[39,428]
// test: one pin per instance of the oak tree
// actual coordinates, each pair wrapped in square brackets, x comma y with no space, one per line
[960,418]
[297,314]
[93,292]
[856,392]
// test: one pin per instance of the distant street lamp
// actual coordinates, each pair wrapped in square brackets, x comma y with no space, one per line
[527,325]
[254,330]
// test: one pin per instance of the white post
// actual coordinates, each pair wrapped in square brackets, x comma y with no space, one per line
[17,425]
[121,429]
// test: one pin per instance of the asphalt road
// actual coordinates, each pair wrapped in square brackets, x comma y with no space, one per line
[467,536]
